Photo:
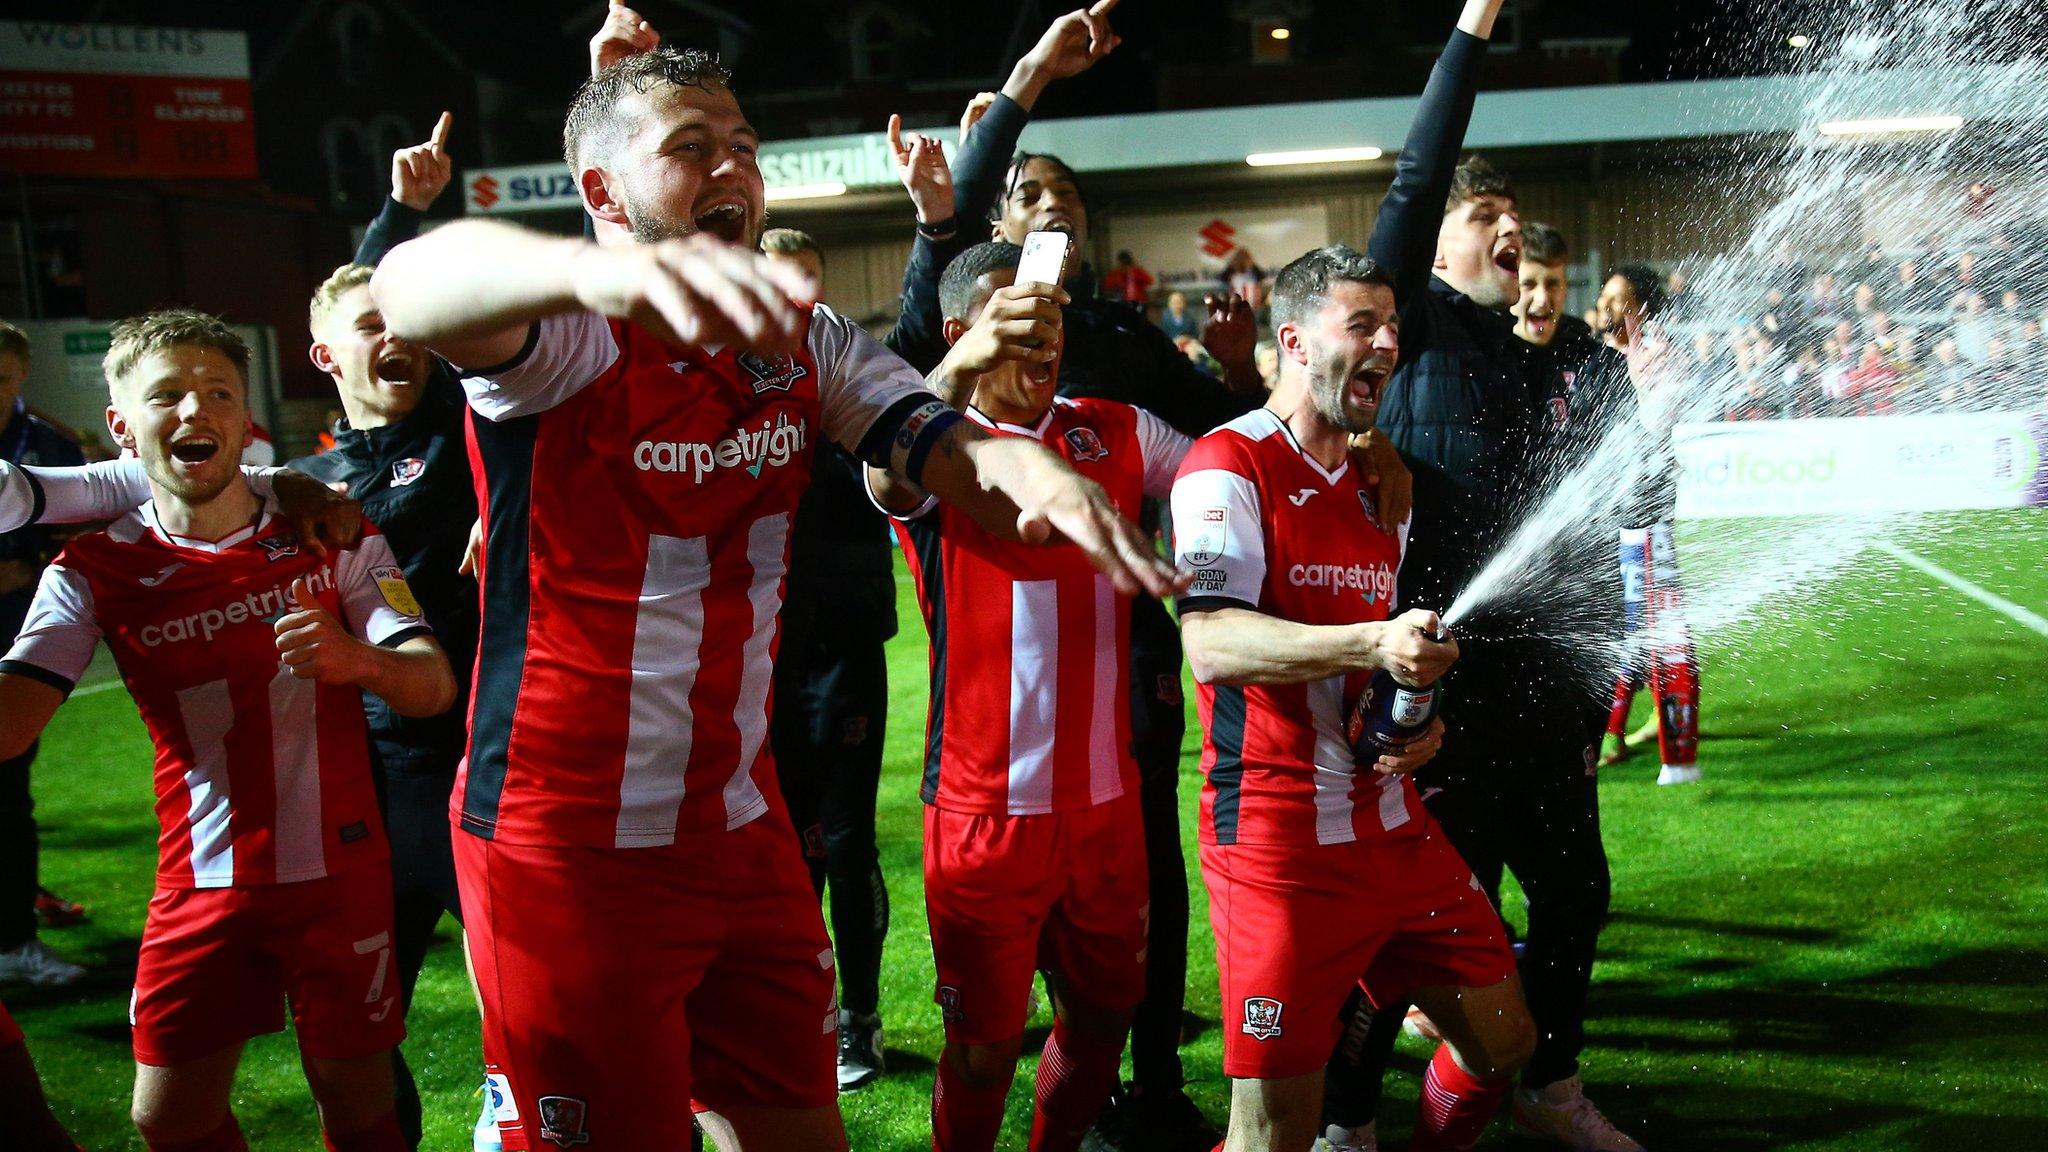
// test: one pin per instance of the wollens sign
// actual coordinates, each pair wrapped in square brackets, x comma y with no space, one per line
[123,100]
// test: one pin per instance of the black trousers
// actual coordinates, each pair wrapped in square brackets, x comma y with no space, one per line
[1158,718]
[414,798]
[1542,823]
[18,842]
[18,852]
[831,708]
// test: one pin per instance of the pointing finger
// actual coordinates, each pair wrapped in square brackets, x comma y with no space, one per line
[439,139]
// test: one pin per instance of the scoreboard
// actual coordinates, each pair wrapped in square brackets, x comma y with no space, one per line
[119,100]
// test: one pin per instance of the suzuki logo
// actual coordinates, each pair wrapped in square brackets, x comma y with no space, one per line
[483,191]
[1218,239]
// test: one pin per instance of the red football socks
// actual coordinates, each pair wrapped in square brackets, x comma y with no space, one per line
[1075,1077]
[1456,1106]
[382,1135]
[226,1138]
[964,1118]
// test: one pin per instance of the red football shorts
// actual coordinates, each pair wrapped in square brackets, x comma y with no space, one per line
[1007,895]
[218,965]
[1298,925]
[10,1033]
[619,984]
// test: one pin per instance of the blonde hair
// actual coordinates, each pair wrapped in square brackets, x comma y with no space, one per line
[346,279]
[140,336]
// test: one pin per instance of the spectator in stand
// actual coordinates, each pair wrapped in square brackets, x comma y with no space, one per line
[1875,267]
[1823,299]
[799,251]
[1906,359]
[1884,333]
[1771,314]
[1871,384]
[1176,320]
[2028,349]
[2011,314]
[1967,278]
[1676,287]
[1786,272]
[1200,357]
[1128,281]
[1950,380]
[25,438]
[2001,385]
[1247,280]
[1266,354]
[1801,384]
[1836,364]
[1863,301]
[1913,292]
[1974,329]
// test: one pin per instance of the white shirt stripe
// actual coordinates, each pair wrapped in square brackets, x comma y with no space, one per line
[295,760]
[660,725]
[767,554]
[208,713]
[1034,676]
[1335,773]
[1105,781]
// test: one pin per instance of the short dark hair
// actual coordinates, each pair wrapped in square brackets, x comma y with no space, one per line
[1304,284]
[13,341]
[595,125]
[789,242]
[1023,160]
[139,336]
[1473,179]
[1544,244]
[1648,285]
[960,288]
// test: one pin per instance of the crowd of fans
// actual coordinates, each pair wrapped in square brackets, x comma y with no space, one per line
[1945,325]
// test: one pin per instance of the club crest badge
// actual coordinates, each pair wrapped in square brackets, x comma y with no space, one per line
[771,375]
[1262,1017]
[1372,510]
[1085,445]
[282,546]
[404,472]
[949,1004]
[563,1120]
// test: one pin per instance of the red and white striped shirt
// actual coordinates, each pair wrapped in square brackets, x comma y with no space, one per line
[1263,526]
[261,777]
[637,502]
[1030,704]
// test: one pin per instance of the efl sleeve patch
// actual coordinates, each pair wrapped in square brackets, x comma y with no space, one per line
[397,593]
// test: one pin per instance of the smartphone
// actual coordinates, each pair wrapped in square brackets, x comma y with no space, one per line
[1045,258]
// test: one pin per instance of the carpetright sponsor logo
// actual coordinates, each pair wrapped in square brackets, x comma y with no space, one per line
[1375,582]
[773,444]
[203,625]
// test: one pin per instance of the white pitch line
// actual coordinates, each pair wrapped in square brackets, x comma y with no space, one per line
[102,686]
[2027,618]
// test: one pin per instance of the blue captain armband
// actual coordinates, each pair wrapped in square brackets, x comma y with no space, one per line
[920,422]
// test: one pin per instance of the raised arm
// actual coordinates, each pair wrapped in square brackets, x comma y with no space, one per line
[470,290]
[418,175]
[921,165]
[111,488]
[1404,236]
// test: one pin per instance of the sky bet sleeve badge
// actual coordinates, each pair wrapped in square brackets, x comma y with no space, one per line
[397,593]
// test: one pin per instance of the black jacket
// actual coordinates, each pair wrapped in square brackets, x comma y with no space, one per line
[29,439]
[414,482]
[1467,421]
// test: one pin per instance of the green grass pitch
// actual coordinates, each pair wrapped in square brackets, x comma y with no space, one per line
[1838,941]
